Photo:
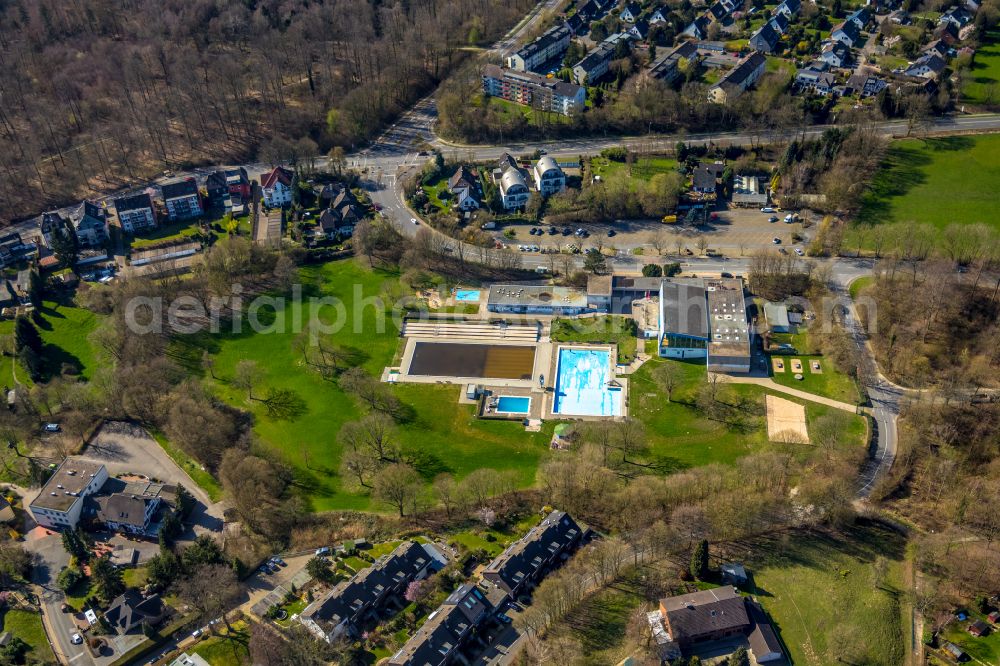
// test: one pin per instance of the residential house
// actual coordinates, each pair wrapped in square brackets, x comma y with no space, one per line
[577,24]
[718,11]
[630,12]
[705,177]
[595,64]
[216,188]
[765,40]
[135,213]
[52,224]
[668,69]
[182,199]
[14,249]
[979,628]
[345,609]
[128,513]
[347,208]
[529,558]
[640,30]
[90,222]
[447,629]
[231,184]
[513,185]
[937,46]
[549,46]
[957,16]
[928,66]
[698,28]
[836,54]
[332,226]
[789,8]
[746,73]
[872,86]
[276,187]
[60,502]
[860,18]
[779,23]
[464,185]
[132,613]
[947,32]
[847,33]
[658,16]
[549,178]
[815,81]
[533,90]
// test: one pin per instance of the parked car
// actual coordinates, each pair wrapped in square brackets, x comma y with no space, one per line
[725,274]
[799,251]
[277,560]
[773,218]
[767,209]
[552,231]
[414,220]
[320,552]
[76,639]
[52,427]
[611,232]
[776,240]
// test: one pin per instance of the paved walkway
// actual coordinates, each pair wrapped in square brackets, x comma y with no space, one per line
[772,385]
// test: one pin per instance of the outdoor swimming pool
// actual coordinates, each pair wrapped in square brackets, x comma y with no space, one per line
[582,388]
[467,295]
[508,404]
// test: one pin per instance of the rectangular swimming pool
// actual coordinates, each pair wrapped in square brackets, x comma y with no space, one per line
[582,384]
[509,404]
[467,295]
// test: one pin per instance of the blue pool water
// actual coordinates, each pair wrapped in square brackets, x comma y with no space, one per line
[512,405]
[467,295]
[582,384]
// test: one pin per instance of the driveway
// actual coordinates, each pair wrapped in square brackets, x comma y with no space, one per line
[128,449]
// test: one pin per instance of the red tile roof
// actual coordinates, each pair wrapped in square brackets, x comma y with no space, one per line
[277,174]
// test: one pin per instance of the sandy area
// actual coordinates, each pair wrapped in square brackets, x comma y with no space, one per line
[786,421]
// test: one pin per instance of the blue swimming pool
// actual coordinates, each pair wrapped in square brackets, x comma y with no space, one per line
[467,295]
[508,404]
[582,384]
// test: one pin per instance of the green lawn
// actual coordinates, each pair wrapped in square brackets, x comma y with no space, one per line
[173,231]
[644,168]
[937,182]
[65,330]
[603,329]
[442,436]
[819,590]
[860,285]
[228,649]
[193,468]
[434,188]
[28,627]
[135,577]
[830,383]
[983,80]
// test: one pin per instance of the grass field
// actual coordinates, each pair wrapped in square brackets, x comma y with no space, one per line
[937,182]
[825,600]
[28,627]
[227,649]
[644,167]
[830,383]
[604,329]
[442,436]
[984,78]
[985,649]
[199,475]
[65,329]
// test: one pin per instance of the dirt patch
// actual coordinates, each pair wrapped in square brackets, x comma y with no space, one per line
[786,421]
[778,364]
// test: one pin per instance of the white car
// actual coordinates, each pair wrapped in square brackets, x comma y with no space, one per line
[52,427]
[414,220]
[776,240]
[799,251]
[76,639]
[767,209]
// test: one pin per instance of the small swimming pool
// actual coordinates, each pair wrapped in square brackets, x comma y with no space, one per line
[467,295]
[583,384]
[509,404]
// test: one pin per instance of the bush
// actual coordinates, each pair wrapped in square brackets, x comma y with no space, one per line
[616,154]
[671,269]
[68,578]
[652,270]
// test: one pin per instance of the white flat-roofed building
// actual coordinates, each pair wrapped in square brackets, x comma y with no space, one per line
[537,299]
[60,502]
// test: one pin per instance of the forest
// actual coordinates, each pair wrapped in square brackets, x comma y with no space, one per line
[103,93]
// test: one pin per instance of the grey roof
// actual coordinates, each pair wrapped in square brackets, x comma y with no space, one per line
[744,70]
[549,37]
[667,65]
[765,38]
[510,178]
[443,632]
[65,485]
[524,558]
[133,202]
[691,616]
[124,509]
[463,177]
[131,610]
[547,163]
[179,188]
[685,309]
[849,28]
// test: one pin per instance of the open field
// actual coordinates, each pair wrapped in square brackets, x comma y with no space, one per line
[826,600]
[65,329]
[644,167]
[936,182]
[28,627]
[983,80]
[441,435]
[229,649]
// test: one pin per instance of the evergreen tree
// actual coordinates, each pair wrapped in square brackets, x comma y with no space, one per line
[739,657]
[26,335]
[66,246]
[36,287]
[107,579]
[699,561]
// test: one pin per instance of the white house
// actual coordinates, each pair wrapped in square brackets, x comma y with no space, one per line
[549,178]
[276,186]
[60,502]
[464,184]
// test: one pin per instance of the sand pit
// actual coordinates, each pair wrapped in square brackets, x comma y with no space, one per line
[778,364]
[786,421]
[815,367]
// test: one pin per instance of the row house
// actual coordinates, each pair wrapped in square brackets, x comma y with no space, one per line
[667,69]
[595,64]
[549,46]
[452,626]
[182,199]
[135,213]
[529,558]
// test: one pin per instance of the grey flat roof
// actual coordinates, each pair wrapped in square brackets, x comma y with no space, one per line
[685,309]
[536,296]
[727,318]
[65,485]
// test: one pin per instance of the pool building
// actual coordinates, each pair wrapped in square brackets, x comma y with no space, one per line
[705,318]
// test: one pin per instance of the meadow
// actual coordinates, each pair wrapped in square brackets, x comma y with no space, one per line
[983,80]
[936,182]
[28,627]
[829,382]
[830,596]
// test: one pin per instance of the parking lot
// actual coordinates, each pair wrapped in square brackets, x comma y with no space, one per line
[732,231]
